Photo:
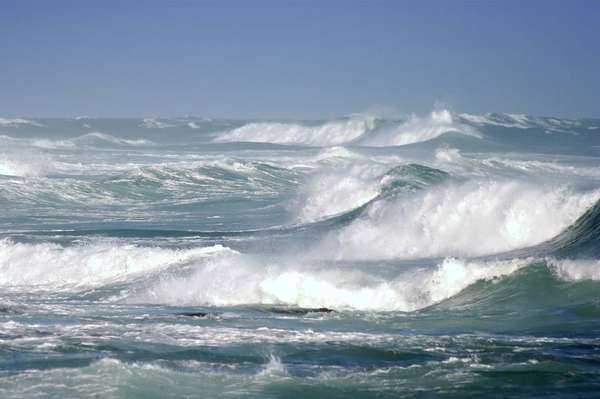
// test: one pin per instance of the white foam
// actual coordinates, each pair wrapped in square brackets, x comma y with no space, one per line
[12,122]
[576,270]
[24,164]
[150,123]
[337,190]
[330,133]
[418,129]
[103,137]
[467,219]
[238,279]
[48,265]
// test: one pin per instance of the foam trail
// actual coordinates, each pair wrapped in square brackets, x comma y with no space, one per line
[468,219]
[331,133]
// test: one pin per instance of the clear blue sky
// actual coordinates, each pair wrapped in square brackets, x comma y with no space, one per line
[299,59]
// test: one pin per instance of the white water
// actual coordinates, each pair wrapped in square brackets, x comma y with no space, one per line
[468,219]
[418,129]
[52,266]
[234,280]
[330,133]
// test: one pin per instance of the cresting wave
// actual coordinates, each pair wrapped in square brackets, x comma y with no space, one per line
[218,276]
[461,219]
[49,266]
[330,133]
[418,129]
[359,129]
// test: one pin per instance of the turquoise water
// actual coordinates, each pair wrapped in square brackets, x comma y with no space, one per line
[446,255]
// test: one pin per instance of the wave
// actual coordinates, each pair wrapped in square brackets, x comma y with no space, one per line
[49,266]
[219,276]
[347,187]
[86,140]
[363,130]
[417,129]
[328,134]
[464,219]
[238,280]
[103,138]
[174,183]
[579,240]
[25,164]
[454,160]
[151,123]
[15,122]
[521,121]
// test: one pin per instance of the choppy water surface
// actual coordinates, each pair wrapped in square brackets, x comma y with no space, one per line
[450,255]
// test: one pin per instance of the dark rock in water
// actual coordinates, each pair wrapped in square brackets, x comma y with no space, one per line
[193,314]
[299,311]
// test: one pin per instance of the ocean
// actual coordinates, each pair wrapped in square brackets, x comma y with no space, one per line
[447,255]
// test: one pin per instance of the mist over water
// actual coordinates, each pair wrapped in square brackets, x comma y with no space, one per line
[367,256]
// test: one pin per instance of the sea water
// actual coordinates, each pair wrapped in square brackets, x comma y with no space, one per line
[448,255]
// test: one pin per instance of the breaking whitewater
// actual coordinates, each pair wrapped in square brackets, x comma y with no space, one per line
[450,254]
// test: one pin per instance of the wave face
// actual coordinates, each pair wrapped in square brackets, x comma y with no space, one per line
[365,256]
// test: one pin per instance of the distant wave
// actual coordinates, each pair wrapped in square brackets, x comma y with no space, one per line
[170,182]
[521,121]
[86,140]
[98,137]
[328,134]
[151,123]
[15,122]
[452,159]
[361,129]
[417,129]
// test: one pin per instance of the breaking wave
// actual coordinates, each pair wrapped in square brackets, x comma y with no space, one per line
[466,219]
[362,130]
[330,133]
[418,129]
[53,266]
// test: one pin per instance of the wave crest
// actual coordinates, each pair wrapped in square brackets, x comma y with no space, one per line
[467,219]
[330,133]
